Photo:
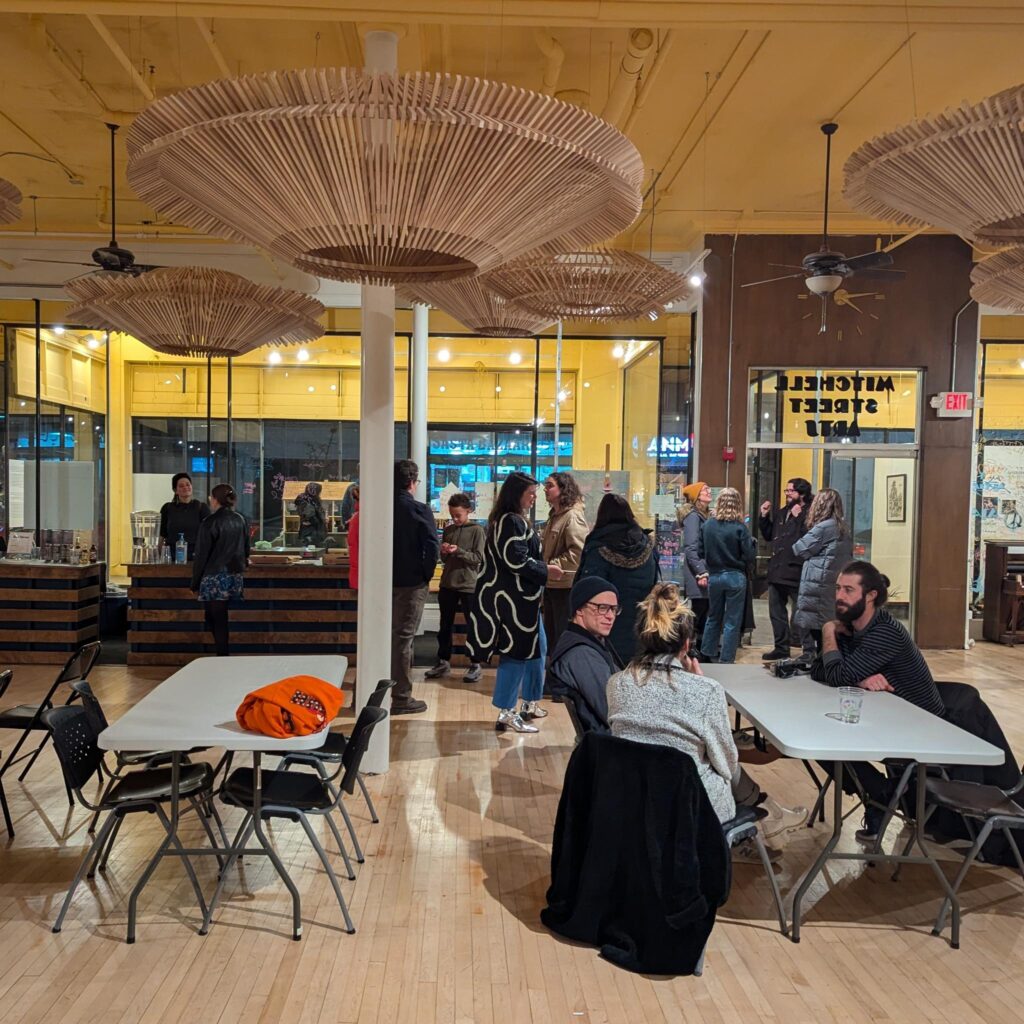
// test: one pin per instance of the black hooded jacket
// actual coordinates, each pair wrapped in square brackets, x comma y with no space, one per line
[580,668]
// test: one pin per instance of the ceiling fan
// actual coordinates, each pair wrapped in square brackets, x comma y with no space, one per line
[825,270]
[110,258]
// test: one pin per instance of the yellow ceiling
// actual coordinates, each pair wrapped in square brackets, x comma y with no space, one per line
[727,123]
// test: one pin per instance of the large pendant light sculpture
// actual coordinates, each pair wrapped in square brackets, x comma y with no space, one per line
[194,311]
[383,179]
[10,202]
[473,303]
[596,284]
[999,281]
[962,171]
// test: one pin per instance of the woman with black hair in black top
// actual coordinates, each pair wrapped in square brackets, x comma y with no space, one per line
[182,514]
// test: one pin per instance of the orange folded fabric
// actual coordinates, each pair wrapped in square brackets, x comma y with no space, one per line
[296,706]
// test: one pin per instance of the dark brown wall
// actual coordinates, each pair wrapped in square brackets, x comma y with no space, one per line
[914,329]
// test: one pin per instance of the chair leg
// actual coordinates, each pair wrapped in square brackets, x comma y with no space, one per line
[940,921]
[367,798]
[341,846]
[1008,832]
[699,969]
[322,854]
[360,857]
[198,808]
[772,881]
[6,810]
[103,854]
[97,843]
[32,759]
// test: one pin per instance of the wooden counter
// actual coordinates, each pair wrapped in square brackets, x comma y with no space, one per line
[287,609]
[47,611]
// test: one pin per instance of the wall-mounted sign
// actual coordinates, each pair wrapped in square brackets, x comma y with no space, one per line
[953,404]
[849,397]
[672,446]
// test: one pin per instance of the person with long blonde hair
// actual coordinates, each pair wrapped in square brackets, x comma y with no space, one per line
[824,549]
[728,550]
[662,696]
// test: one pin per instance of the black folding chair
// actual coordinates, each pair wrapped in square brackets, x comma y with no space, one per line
[332,752]
[75,735]
[28,717]
[294,796]
[5,680]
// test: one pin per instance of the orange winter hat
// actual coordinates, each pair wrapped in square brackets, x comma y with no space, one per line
[296,706]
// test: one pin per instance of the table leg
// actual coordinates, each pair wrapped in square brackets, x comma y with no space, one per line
[171,837]
[951,896]
[815,869]
[271,852]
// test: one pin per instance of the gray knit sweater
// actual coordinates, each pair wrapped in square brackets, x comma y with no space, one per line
[678,709]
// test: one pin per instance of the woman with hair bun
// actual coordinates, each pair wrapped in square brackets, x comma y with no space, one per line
[222,553]
[663,697]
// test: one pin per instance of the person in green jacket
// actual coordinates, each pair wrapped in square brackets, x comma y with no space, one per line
[462,552]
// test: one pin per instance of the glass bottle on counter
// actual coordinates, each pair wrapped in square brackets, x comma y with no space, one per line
[93,554]
[181,550]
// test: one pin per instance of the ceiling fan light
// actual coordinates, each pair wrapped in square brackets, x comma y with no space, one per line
[824,284]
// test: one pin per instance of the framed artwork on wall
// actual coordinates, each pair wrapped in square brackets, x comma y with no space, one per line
[896,498]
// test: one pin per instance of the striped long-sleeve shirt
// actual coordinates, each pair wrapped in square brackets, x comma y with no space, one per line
[885,647]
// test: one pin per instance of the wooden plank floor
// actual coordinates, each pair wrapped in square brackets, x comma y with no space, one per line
[447,903]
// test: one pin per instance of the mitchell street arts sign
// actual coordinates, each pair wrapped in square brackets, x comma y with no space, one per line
[842,398]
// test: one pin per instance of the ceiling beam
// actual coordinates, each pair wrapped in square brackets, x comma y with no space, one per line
[120,56]
[600,14]
[211,44]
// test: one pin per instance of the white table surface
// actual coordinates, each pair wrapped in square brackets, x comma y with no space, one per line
[793,715]
[196,706]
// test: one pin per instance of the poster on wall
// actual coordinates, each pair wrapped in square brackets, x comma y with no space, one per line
[896,498]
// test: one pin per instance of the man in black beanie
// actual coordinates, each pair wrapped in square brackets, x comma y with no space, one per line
[583,660]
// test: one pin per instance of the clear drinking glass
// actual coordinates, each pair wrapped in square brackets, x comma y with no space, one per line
[850,700]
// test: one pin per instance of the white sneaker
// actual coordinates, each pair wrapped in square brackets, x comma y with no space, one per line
[781,819]
[473,674]
[746,853]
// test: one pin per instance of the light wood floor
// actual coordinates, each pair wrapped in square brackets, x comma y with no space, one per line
[447,904]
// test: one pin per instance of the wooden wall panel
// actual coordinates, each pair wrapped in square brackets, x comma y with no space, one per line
[914,329]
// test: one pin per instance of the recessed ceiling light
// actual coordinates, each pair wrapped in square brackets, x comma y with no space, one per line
[586,383]
[696,279]
[92,343]
[58,329]
[563,395]
[334,387]
[907,392]
[274,358]
[442,389]
[618,352]
[498,389]
[302,355]
[311,388]
[167,382]
[443,355]
[515,358]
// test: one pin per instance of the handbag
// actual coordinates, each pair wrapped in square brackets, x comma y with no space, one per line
[295,706]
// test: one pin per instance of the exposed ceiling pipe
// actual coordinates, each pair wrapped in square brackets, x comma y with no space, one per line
[641,96]
[555,54]
[638,49]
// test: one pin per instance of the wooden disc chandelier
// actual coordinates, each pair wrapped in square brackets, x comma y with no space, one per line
[10,202]
[962,171]
[999,281]
[383,179]
[478,307]
[596,284]
[194,311]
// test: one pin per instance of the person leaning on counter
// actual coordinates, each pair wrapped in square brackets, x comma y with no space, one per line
[182,514]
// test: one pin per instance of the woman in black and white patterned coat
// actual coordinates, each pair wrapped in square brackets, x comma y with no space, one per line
[506,609]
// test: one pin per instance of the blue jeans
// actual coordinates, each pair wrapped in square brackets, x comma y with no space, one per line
[727,592]
[520,676]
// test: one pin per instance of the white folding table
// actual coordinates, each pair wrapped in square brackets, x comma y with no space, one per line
[800,718]
[195,707]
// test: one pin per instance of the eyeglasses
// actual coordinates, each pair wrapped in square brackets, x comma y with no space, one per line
[605,609]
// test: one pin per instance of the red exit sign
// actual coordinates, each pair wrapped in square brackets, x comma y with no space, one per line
[953,403]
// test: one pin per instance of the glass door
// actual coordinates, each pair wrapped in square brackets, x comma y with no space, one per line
[879,496]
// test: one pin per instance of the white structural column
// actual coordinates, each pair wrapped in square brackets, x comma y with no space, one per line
[376,471]
[418,405]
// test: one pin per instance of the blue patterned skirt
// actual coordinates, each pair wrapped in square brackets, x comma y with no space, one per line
[222,586]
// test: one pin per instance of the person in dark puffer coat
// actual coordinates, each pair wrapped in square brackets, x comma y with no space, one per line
[621,551]
[825,548]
